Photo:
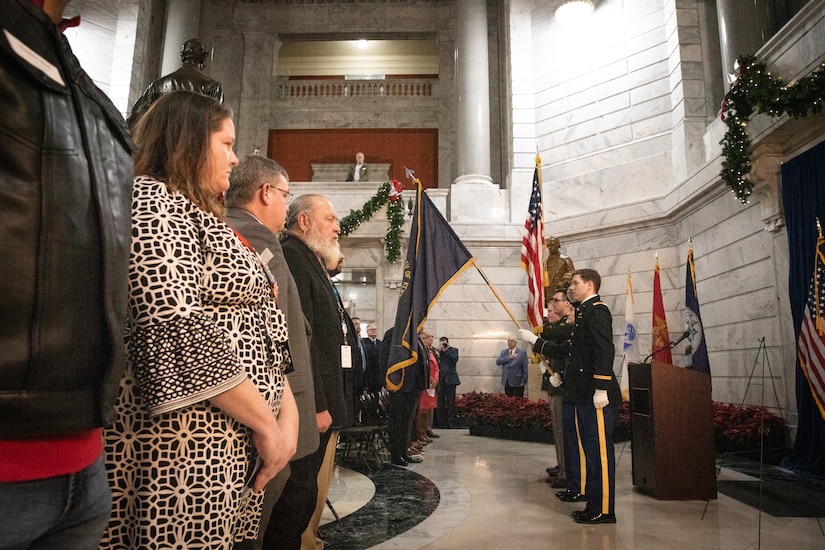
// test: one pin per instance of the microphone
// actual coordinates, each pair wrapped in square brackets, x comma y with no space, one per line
[671,345]
[684,336]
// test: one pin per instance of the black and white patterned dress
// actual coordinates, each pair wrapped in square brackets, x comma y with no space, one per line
[202,319]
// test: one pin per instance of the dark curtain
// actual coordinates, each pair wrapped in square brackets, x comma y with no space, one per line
[803,195]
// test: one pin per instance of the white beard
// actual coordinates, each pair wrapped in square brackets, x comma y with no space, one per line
[327,249]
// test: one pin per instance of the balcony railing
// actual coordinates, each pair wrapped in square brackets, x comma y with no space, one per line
[347,89]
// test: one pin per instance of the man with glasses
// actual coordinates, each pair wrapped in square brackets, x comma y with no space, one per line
[256,203]
[592,388]
[564,435]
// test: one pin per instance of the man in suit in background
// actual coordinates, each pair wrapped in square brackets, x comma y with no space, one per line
[404,401]
[447,362]
[513,363]
[372,349]
[358,171]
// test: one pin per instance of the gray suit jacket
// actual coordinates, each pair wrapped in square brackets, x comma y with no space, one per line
[300,380]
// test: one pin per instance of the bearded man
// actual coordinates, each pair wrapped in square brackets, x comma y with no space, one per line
[310,241]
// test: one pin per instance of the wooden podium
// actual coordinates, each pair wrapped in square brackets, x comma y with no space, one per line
[672,423]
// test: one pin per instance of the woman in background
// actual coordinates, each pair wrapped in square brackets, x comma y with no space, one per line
[196,438]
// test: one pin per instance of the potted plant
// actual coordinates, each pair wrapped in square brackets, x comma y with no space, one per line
[496,415]
[748,430]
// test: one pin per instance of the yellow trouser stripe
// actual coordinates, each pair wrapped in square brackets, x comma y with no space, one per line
[603,462]
[582,461]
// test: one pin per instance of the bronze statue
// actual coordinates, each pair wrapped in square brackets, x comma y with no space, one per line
[189,77]
[558,269]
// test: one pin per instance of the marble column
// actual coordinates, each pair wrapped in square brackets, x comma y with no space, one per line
[182,23]
[260,62]
[744,26]
[473,192]
[472,92]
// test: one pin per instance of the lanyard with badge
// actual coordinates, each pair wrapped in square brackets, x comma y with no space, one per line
[346,349]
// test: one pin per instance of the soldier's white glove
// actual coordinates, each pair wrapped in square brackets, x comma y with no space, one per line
[527,336]
[555,380]
[600,399]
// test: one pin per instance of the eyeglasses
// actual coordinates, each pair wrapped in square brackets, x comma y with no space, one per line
[287,195]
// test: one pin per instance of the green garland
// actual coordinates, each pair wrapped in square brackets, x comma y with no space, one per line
[756,90]
[395,217]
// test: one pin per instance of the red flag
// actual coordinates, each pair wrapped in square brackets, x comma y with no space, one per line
[811,337]
[532,245]
[661,336]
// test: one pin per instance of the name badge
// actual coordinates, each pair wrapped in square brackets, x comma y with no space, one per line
[346,357]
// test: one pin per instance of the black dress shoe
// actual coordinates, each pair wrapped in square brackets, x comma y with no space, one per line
[570,496]
[432,434]
[398,460]
[557,483]
[596,518]
[413,459]
[554,471]
[578,514]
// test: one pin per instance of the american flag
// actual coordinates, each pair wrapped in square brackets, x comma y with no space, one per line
[532,245]
[811,337]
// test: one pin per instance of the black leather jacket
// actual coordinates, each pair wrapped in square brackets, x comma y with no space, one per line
[65,194]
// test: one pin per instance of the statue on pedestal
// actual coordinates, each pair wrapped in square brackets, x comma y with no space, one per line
[558,269]
[189,77]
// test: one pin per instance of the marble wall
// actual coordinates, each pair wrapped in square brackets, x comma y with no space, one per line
[105,44]
[629,140]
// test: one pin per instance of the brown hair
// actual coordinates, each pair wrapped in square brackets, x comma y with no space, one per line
[173,140]
[590,275]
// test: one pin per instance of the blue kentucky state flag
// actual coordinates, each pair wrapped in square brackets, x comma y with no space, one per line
[435,258]
[698,359]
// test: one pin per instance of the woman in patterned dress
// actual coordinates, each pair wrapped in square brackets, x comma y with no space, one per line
[207,348]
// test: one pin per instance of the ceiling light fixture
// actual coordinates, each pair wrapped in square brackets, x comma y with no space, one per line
[573,11]
[362,44]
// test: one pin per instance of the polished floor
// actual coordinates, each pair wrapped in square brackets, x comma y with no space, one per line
[480,493]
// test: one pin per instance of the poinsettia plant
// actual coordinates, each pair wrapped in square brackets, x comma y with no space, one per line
[735,426]
[496,409]
[746,426]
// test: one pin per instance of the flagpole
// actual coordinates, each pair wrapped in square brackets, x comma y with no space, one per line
[489,284]
[507,309]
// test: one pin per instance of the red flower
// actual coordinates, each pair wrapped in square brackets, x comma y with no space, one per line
[395,190]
